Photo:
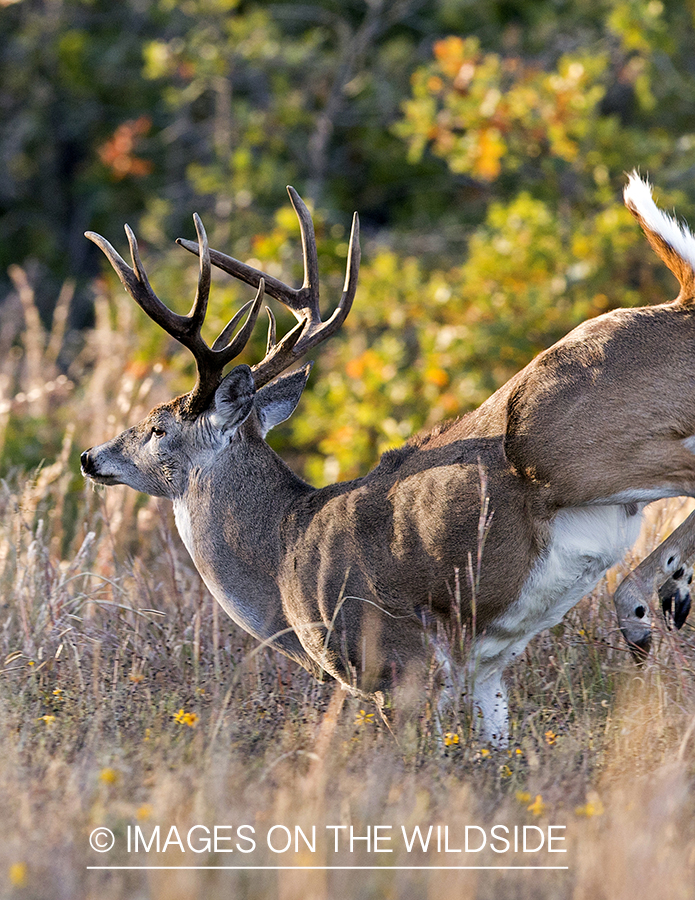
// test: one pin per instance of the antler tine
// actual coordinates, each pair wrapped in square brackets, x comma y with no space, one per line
[309,290]
[200,304]
[314,334]
[352,270]
[222,339]
[121,267]
[225,352]
[135,281]
[146,298]
[309,333]
[272,331]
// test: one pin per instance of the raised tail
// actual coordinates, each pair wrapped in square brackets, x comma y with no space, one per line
[674,242]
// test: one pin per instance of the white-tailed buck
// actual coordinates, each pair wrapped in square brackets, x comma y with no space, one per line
[503,519]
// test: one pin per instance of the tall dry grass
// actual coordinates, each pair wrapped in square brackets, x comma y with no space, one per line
[127,699]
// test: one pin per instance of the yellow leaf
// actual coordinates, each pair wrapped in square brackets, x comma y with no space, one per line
[491,149]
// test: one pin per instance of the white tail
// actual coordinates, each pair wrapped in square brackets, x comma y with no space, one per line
[507,516]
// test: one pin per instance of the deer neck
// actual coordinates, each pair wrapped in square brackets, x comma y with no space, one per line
[229,518]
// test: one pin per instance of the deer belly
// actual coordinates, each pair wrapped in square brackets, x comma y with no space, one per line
[584,543]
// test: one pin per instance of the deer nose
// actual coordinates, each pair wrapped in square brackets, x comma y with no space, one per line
[640,646]
[87,463]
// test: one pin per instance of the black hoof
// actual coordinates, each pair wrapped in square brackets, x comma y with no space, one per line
[674,595]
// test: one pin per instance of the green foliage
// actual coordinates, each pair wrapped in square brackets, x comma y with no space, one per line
[483,113]
[483,143]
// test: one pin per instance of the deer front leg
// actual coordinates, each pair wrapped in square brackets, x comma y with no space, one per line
[482,679]
[667,562]
[490,708]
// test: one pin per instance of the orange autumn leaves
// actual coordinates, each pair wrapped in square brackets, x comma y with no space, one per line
[118,155]
[482,112]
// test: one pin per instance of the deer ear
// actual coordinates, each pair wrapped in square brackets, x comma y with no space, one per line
[233,399]
[278,400]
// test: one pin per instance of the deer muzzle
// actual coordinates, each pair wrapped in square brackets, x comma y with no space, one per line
[634,616]
[90,469]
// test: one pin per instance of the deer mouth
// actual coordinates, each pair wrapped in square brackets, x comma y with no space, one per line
[102,479]
[89,469]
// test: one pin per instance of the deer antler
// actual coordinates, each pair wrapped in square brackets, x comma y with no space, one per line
[210,361]
[310,330]
[304,303]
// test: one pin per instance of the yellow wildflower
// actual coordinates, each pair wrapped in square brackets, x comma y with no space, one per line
[550,737]
[18,874]
[537,807]
[184,718]
[144,812]
[593,806]
[108,776]
[505,771]
[364,718]
[450,739]
[523,796]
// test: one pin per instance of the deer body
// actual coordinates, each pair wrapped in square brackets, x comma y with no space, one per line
[501,520]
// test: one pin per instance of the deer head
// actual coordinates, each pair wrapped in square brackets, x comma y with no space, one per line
[155,455]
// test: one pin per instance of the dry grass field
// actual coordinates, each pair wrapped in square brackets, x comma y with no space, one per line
[129,702]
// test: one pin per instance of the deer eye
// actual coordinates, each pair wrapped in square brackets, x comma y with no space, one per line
[158,432]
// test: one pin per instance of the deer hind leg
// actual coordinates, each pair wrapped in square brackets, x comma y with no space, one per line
[484,678]
[480,685]
[632,599]
[674,595]
[447,687]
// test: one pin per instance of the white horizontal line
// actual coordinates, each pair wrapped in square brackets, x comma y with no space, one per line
[332,868]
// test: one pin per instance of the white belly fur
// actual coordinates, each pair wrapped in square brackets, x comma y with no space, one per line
[584,543]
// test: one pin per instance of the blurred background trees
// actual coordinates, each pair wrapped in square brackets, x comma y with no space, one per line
[483,143]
